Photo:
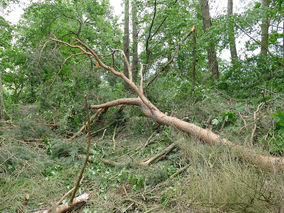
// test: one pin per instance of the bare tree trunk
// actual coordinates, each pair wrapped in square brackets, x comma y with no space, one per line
[134,41]
[126,38]
[264,31]
[231,32]
[2,115]
[211,52]
[194,60]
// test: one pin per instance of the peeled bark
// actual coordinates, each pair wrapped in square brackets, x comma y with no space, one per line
[151,111]
[211,52]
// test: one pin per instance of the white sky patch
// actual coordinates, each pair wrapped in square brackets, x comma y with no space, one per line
[118,7]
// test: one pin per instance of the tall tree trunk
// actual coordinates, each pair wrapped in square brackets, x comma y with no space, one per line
[283,39]
[231,32]
[264,30]
[211,52]
[2,115]
[194,60]
[134,41]
[126,37]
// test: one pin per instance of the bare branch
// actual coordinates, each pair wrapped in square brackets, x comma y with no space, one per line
[254,120]
[126,62]
[161,24]
[62,65]
[173,56]
[40,53]
[126,101]
[70,45]
[141,78]
[149,34]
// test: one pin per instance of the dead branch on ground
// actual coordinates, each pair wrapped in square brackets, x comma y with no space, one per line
[158,156]
[255,121]
[77,202]
[180,171]
[145,162]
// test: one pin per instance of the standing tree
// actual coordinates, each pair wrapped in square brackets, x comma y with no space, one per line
[134,40]
[231,32]
[6,47]
[211,52]
[1,99]
[126,38]
[264,29]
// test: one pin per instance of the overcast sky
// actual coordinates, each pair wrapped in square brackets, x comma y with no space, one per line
[217,6]
[15,11]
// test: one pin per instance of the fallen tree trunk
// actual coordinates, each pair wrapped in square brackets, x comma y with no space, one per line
[151,111]
[206,135]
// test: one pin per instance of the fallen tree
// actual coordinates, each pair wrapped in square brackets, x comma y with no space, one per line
[151,111]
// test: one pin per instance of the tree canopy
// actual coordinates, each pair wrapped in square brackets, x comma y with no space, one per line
[215,75]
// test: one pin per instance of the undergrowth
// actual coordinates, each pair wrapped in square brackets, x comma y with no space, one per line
[215,180]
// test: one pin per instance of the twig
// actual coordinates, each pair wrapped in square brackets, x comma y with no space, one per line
[159,155]
[40,53]
[258,42]
[180,171]
[132,200]
[153,209]
[87,154]
[254,119]
[113,138]
[7,122]
[161,24]
[174,55]
[113,163]
[62,198]
[102,136]
[83,127]
[62,65]
[149,139]
[245,123]
[104,128]
[150,31]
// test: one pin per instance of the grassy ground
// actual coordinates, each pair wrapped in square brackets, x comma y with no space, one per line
[215,179]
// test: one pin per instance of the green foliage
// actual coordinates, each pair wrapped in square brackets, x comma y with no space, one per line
[277,140]
[32,72]
[226,118]
[279,120]
[30,129]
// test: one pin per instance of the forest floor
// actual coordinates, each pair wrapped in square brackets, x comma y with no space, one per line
[192,177]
